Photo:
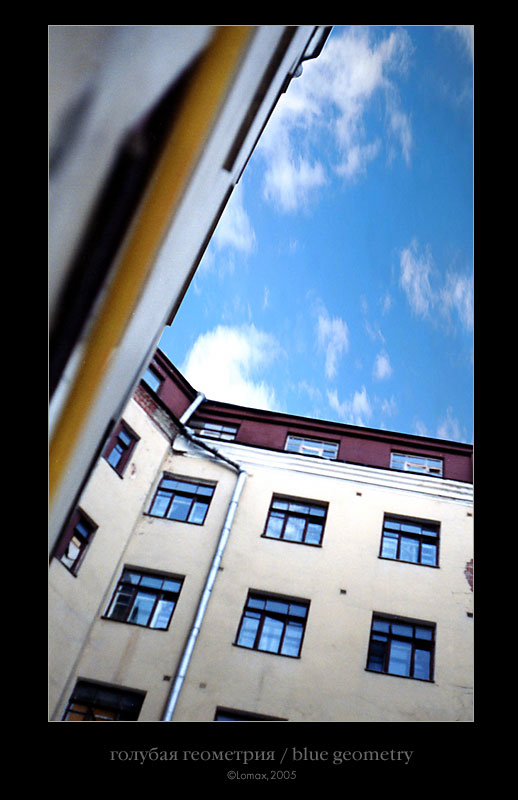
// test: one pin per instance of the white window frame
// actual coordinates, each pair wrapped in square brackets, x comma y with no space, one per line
[422,465]
[311,447]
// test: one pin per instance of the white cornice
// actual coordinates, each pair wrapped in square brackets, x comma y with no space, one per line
[250,457]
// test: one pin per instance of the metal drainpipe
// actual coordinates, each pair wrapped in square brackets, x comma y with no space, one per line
[202,607]
[200,397]
[211,578]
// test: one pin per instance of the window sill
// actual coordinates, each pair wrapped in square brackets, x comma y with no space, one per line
[393,675]
[290,541]
[265,652]
[412,563]
[70,571]
[180,521]
[135,624]
[114,469]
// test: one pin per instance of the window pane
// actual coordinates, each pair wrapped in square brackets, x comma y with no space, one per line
[274,527]
[294,530]
[299,508]
[151,582]
[172,586]
[122,604]
[82,529]
[152,379]
[298,611]
[410,527]
[124,438]
[402,630]
[162,614]
[142,608]
[422,664]
[392,524]
[181,486]
[409,550]
[317,511]
[277,606]
[292,639]
[207,491]
[428,554]
[271,635]
[115,456]
[400,655]
[423,633]
[248,630]
[198,512]
[72,552]
[160,503]
[131,577]
[376,656]
[313,533]
[389,546]
[380,625]
[179,508]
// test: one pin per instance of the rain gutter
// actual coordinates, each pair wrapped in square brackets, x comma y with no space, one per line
[216,561]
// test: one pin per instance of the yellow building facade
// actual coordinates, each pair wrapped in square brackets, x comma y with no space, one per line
[216,574]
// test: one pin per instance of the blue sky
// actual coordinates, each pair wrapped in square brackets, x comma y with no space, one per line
[339,281]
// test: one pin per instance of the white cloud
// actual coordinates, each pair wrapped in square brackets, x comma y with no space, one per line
[334,93]
[234,229]
[420,428]
[449,427]
[234,233]
[333,338]
[465,34]
[288,183]
[386,303]
[415,278]
[389,406]
[353,411]
[226,364]
[382,367]
[455,294]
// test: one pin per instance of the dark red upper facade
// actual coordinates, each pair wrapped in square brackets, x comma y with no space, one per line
[267,429]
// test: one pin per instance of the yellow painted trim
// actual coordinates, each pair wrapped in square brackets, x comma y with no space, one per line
[181,153]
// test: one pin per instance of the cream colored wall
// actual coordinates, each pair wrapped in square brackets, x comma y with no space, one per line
[113,503]
[329,682]
[141,658]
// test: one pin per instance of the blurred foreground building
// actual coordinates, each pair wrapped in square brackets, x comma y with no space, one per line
[226,563]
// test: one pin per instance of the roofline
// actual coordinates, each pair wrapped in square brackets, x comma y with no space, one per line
[282,417]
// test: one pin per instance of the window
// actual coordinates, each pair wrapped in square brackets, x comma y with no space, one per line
[181,500]
[145,598]
[401,647]
[120,447]
[411,463]
[415,541]
[312,447]
[273,624]
[296,521]
[75,541]
[213,430]
[231,715]
[92,702]
[152,379]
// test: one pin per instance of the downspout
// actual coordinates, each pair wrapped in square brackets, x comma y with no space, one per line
[202,607]
[216,561]
[200,397]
